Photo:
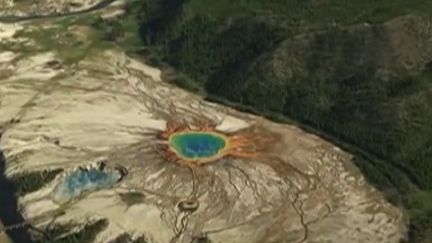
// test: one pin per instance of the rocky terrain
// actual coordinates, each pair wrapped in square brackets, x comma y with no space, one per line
[44,7]
[78,102]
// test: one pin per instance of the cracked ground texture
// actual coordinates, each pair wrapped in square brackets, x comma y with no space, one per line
[108,105]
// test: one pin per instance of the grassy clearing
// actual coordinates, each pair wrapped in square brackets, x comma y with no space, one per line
[421,203]
[71,37]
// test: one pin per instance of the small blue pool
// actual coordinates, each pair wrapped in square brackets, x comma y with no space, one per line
[81,181]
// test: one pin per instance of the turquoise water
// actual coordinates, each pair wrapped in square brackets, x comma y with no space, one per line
[81,181]
[197,145]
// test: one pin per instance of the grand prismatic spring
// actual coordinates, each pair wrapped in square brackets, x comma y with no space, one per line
[202,144]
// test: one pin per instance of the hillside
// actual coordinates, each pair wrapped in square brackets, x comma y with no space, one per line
[318,129]
[97,146]
[367,84]
[356,72]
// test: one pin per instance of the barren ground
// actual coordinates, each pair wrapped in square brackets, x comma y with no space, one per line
[43,7]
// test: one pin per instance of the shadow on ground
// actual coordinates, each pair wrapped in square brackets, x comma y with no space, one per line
[9,213]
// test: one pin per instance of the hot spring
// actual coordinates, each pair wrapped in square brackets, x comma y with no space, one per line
[81,181]
[194,145]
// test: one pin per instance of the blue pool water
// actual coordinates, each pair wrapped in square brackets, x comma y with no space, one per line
[81,181]
[197,145]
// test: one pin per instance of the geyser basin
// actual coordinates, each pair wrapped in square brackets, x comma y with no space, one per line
[198,145]
[84,180]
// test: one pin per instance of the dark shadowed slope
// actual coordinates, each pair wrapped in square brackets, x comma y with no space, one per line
[9,213]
